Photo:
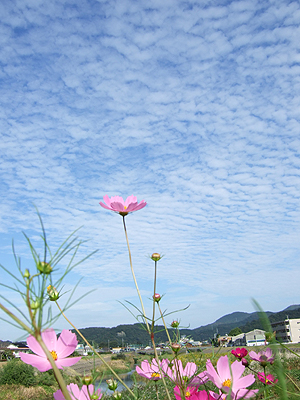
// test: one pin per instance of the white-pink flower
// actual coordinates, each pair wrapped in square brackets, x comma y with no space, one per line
[151,371]
[179,375]
[117,204]
[79,394]
[59,349]
[229,378]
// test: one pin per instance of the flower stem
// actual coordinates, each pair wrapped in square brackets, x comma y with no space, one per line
[97,354]
[163,320]
[134,278]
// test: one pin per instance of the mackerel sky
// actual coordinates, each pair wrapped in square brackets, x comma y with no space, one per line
[192,106]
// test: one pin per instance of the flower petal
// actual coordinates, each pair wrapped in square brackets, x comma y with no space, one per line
[49,338]
[212,374]
[237,370]
[66,343]
[223,368]
[130,199]
[66,362]
[35,346]
[42,364]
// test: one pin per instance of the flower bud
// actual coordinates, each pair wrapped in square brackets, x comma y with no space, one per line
[175,324]
[112,384]
[155,257]
[87,380]
[156,297]
[175,347]
[34,305]
[245,362]
[117,395]
[44,268]
[26,273]
[52,293]
[94,396]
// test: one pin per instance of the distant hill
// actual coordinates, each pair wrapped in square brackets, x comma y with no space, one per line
[136,333]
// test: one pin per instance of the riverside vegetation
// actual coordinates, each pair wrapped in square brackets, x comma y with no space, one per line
[260,374]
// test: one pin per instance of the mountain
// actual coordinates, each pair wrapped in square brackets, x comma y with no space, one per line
[136,333]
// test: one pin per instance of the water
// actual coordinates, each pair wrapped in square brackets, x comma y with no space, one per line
[126,378]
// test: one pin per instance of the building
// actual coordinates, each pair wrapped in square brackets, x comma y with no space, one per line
[253,338]
[287,330]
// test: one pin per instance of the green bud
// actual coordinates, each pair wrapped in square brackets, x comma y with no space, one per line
[175,324]
[26,273]
[112,384]
[87,380]
[94,396]
[52,293]
[175,347]
[117,395]
[155,257]
[34,305]
[44,267]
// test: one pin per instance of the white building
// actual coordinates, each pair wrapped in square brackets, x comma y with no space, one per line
[287,330]
[253,338]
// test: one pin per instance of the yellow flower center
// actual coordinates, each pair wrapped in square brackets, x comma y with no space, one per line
[155,375]
[187,393]
[227,383]
[125,207]
[54,355]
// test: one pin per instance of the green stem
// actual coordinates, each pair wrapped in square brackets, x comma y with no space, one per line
[97,354]
[163,320]
[16,319]
[153,315]
[134,278]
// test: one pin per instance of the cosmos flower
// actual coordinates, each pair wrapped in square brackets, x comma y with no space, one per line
[59,349]
[79,394]
[228,377]
[180,375]
[239,353]
[267,379]
[117,204]
[151,371]
[264,356]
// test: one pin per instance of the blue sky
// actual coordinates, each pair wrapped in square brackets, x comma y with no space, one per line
[192,106]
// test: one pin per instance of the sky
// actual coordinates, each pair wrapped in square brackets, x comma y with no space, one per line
[192,106]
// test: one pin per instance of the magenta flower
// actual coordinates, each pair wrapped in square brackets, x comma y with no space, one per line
[151,371]
[239,353]
[228,377]
[267,379]
[79,394]
[117,204]
[264,357]
[59,349]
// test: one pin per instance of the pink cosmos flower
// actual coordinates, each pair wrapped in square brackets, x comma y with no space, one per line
[239,353]
[192,394]
[59,349]
[179,375]
[117,204]
[263,357]
[267,379]
[228,377]
[151,371]
[78,394]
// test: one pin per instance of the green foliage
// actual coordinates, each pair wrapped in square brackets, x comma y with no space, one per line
[46,378]
[17,372]
[119,356]
[235,331]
